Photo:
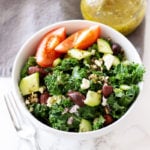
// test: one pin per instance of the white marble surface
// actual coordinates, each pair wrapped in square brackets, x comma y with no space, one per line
[134,133]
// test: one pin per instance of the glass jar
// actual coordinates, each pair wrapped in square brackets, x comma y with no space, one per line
[123,15]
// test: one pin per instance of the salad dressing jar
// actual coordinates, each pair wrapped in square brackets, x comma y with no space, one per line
[123,15]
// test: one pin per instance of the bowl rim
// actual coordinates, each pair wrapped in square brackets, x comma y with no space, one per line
[36,122]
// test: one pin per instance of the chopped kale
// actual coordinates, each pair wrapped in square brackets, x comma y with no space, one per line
[126,74]
[98,122]
[121,100]
[30,62]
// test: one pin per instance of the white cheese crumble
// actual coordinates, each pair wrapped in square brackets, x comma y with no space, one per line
[108,60]
[85,84]
[53,100]
[98,62]
[104,101]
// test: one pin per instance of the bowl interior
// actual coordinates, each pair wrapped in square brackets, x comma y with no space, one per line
[29,49]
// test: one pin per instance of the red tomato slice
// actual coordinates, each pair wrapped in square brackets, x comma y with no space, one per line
[45,54]
[87,37]
[67,44]
[80,39]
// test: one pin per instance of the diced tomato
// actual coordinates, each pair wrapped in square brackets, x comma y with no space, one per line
[87,37]
[45,54]
[81,39]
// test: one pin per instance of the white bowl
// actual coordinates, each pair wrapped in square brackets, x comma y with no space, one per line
[29,49]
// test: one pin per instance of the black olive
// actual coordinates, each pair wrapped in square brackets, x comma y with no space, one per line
[76,97]
[116,48]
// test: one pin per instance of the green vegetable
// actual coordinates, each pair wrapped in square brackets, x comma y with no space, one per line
[29,84]
[104,46]
[85,126]
[66,78]
[56,62]
[30,62]
[79,54]
[126,74]
[40,111]
[58,116]
[88,112]
[55,82]
[67,64]
[121,100]
[92,98]
[98,122]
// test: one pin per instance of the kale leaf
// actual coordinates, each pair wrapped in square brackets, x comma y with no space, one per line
[60,82]
[120,100]
[126,74]
[58,116]
[40,111]
[67,64]
[56,81]
[88,112]
[98,122]
[30,62]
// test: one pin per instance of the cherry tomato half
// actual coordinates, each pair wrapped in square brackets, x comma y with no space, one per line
[45,54]
[81,39]
[87,37]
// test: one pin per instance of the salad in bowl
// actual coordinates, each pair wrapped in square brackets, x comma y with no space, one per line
[80,81]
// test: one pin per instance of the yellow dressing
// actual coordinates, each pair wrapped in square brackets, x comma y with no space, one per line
[123,15]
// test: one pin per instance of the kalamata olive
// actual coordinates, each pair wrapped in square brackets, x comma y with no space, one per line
[107,90]
[43,97]
[76,97]
[108,119]
[34,69]
[116,48]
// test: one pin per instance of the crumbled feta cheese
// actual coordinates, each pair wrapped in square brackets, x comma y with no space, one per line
[104,101]
[53,100]
[98,62]
[85,84]
[70,120]
[93,66]
[93,51]
[106,79]
[42,89]
[65,111]
[27,102]
[108,60]
[74,109]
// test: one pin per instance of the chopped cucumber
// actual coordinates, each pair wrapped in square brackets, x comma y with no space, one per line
[85,126]
[124,87]
[29,84]
[79,54]
[92,98]
[104,46]
[56,62]
[116,61]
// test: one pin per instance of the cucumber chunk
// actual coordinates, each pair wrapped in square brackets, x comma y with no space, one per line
[56,62]
[116,61]
[92,98]
[29,84]
[104,47]
[85,126]
[79,54]
[124,87]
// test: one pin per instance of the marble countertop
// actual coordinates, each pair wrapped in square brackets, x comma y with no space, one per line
[134,133]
